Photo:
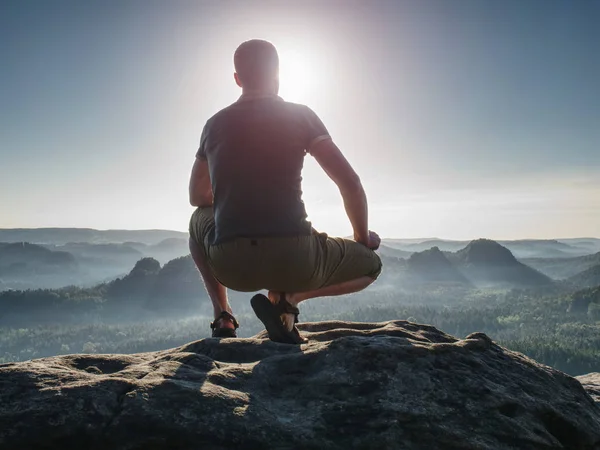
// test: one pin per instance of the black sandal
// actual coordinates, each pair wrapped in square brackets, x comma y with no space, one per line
[221,332]
[284,307]
[270,315]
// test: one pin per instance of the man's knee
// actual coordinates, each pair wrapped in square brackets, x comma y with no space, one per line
[376,266]
[194,246]
[202,224]
[379,267]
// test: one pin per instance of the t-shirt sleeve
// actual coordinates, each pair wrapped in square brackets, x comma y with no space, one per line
[201,153]
[315,129]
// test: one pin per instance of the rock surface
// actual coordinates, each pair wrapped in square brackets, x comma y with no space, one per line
[591,383]
[353,385]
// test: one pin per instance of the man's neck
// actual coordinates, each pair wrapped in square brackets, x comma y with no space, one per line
[249,94]
[258,92]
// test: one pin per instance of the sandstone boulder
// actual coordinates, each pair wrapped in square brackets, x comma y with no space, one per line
[591,383]
[392,385]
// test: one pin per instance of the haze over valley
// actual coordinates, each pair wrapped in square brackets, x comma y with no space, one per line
[84,290]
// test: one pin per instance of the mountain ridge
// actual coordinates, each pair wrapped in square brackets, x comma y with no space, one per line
[481,263]
[62,236]
[521,248]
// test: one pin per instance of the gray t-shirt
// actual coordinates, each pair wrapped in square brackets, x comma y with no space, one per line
[255,150]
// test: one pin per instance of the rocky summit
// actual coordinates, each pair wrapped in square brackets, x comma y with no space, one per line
[392,385]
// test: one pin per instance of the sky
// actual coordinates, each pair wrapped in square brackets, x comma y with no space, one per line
[464,119]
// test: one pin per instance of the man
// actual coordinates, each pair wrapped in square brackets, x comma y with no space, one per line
[249,231]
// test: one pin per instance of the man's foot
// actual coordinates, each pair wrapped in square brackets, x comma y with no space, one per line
[270,316]
[288,319]
[224,325]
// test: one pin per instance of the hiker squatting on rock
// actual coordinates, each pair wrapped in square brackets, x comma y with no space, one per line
[249,231]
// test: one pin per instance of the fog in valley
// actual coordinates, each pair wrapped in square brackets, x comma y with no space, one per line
[71,290]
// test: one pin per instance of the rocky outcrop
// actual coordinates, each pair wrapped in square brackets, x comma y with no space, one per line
[591,383]
[353,385]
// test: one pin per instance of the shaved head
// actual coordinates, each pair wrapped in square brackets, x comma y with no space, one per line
[256,63]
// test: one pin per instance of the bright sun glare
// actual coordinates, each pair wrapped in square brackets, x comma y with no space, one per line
[297,75]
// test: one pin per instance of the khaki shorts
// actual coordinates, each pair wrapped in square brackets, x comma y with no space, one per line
[284,264]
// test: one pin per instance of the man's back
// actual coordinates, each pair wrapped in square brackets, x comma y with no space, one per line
[255,150]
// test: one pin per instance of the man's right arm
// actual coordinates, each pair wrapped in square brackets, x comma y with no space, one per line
[201,194]
[337,167]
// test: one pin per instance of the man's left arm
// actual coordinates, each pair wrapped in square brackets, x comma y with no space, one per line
[201,194]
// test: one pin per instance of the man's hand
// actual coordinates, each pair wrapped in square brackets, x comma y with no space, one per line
[373,242]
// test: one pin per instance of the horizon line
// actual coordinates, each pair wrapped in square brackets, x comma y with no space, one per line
[389,238]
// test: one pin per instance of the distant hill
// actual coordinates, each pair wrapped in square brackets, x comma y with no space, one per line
[523,248]
[419,246]
[486,263]
[23,260]
[481,263]
[392,265]
[585,245]
[124,255]
[544,248]
[121,254]
[385,250]
[168,249]
[91,264]
[433,266]
[176,285]
[23,252]
[177,281]
[148,288]
[99,256]
[137,284]
[561,268]
[485,252]
[62,236]
[587,278]
[29,266]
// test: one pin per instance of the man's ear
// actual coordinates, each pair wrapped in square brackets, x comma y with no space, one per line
[237,79]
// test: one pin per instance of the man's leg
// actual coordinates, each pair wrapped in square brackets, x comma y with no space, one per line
[347,267]
[345,287]
[216,291]
[202,224]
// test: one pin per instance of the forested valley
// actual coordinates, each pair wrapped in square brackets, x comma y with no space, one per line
[547,313]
